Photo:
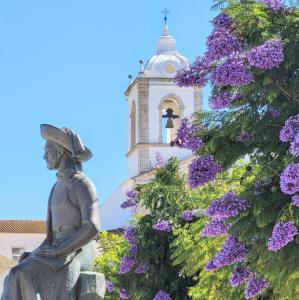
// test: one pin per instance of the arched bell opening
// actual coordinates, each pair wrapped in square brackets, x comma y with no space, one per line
[171,111]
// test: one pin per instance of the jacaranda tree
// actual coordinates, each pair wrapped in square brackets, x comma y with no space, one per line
[252,64]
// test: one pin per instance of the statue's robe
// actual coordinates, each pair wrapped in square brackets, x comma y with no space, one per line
[72,203]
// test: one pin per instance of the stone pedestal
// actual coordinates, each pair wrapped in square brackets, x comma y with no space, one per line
[92,286]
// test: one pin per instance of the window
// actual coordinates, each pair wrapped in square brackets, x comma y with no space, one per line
[17,252]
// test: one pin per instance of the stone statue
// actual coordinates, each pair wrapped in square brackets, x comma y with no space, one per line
[60,268]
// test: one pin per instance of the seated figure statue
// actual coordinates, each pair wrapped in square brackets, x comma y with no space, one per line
[51,272]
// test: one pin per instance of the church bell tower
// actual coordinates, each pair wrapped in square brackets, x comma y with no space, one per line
[150,96]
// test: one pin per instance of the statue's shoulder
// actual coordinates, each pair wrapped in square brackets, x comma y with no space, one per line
[80,181]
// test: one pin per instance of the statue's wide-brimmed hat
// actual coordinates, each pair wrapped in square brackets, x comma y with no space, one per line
[67,139]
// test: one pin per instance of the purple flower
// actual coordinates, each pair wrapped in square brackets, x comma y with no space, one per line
[275,5]
[290,129]
[186,136]
[159,159]
[273,112]
[163,225]
[244,137]
[295,146]
[240,275]
[221,43]
[141,269]
[289,179]
[133,250]
[232,72]
[162,295]
[129,234]
[223,100]
[226,206]
[126,265]
[196,75]
[215,228]
[232,251]
[109,286]
[255,287]
[188,215]
[131,200]
[266,56]
[123,294]
[295,199]
[282,234]
[223,20]
[202,170]
[210,267]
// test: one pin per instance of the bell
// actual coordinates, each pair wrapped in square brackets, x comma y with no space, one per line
[169,123]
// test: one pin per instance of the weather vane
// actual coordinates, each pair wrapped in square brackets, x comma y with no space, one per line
[165,12]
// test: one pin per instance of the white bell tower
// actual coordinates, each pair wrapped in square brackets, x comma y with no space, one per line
[149,96]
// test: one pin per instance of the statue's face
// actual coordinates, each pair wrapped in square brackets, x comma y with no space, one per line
[52,156]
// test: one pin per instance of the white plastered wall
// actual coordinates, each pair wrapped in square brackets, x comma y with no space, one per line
[132,97]
[28,241]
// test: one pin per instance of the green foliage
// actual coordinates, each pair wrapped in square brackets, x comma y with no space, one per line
[166,197]
[192,252]
[112,247]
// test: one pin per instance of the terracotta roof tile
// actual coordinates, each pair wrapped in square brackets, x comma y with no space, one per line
[6,263]
[22,226]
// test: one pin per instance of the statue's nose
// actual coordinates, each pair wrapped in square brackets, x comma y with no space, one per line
[45,156]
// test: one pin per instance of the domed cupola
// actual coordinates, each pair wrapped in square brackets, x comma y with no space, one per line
[167,61]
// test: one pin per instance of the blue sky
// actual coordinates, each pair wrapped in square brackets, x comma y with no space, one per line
[66,63]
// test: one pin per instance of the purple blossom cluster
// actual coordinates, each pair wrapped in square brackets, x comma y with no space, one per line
[129,234]
[159,159]
[266,56]
[223,100]
[222,43]
[231,252]
[255,287]
[123,294]
[196,75]
[189,78]
[232,72]
[223,20]
[188,215]
[202,170]
[131,200]
[241,275]
[162,295]
[210,266]
[133,250]
[215,228]
[126,265]
[276,5]
[163,225]
[295,200]
[142,268]
[229,205]
[294,149]
[289,179]
[290,129]
[109,286]
[186,136]
[282,234]
[273,112]
[244,137]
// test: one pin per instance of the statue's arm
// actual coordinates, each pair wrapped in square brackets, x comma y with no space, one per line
[85,195]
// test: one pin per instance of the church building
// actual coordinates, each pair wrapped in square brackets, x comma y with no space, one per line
[153,101]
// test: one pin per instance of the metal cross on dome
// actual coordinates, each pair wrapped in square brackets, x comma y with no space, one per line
[165,12]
